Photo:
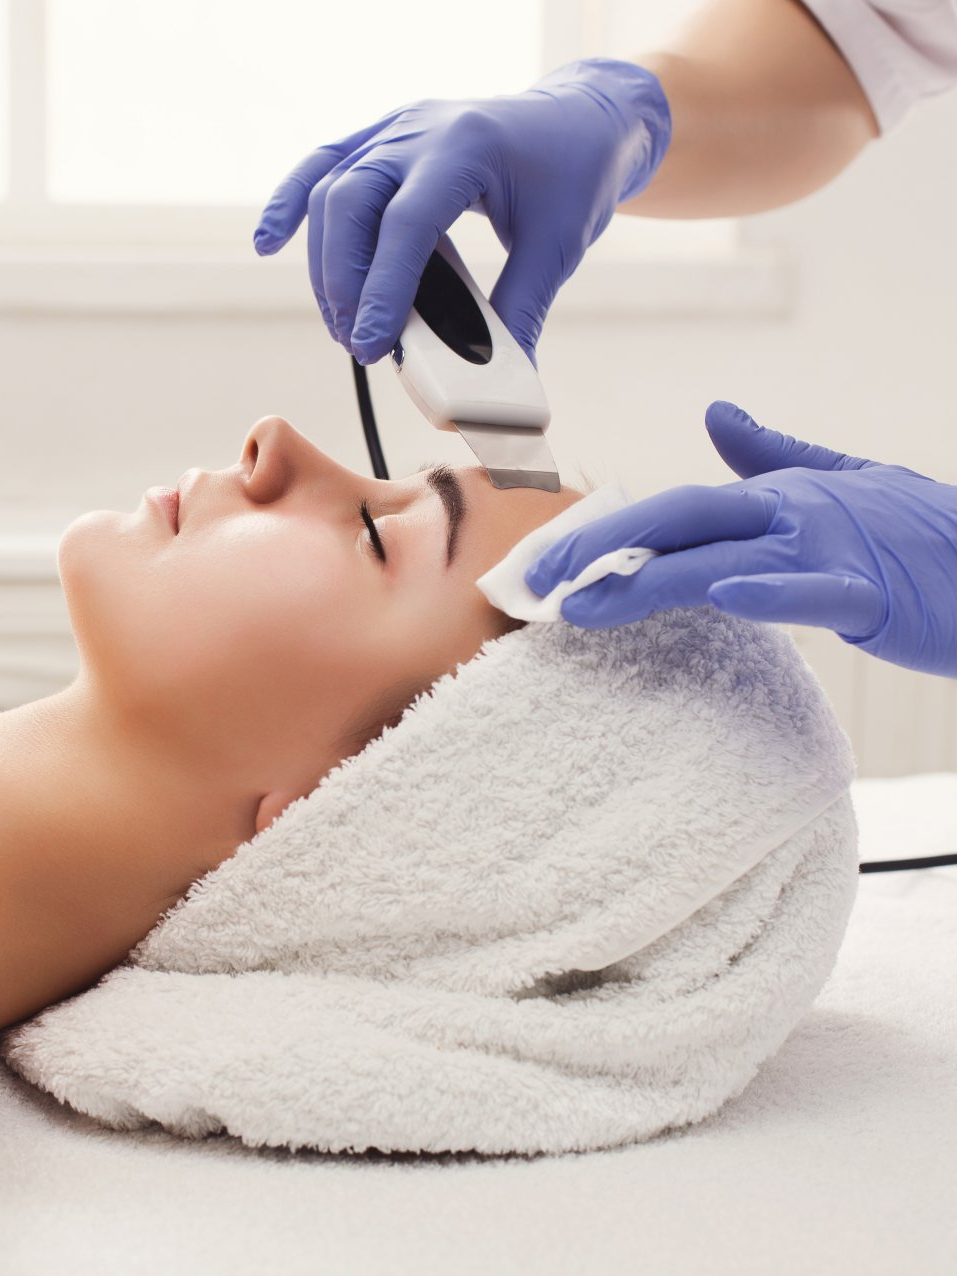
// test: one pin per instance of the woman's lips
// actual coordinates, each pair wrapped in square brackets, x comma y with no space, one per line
[166,499]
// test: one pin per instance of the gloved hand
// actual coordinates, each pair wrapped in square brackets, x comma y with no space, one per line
[811,537]
[547,167]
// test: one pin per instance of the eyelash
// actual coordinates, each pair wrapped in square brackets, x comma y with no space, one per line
[374,536]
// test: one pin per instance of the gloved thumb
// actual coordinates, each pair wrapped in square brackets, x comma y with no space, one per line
[749,449]
[525,290]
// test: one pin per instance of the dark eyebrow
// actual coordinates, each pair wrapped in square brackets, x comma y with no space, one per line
[443,480]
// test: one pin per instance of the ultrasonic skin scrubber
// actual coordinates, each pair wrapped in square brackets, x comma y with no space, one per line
[466,372]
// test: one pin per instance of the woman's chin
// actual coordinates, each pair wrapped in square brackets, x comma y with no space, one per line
[91,570]
[81,538]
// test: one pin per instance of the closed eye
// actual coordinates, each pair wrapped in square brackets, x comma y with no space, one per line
[374,536]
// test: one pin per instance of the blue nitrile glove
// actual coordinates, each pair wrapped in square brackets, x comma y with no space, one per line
[547,167]
[810,537]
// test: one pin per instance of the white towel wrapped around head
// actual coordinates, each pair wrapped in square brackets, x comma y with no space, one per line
[575,898]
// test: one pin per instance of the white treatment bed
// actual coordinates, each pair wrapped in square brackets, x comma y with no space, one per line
[840,1157]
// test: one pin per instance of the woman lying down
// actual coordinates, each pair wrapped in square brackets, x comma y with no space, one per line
[232,653]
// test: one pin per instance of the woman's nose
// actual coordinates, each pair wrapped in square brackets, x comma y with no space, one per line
[276,457]
[267,459]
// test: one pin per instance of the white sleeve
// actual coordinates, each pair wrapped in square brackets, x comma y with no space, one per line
[901,51]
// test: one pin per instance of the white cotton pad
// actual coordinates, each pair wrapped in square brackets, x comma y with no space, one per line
[504,585]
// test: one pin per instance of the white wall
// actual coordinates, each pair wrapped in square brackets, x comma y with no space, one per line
[98,406]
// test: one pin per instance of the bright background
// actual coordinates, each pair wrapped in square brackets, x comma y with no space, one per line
[140,334]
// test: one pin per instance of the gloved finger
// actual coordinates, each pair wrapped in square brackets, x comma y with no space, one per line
[677,519]
[680,579]
[429,201]
[283,213]
[353,210]
[853,607]
[315,233]
[526,287]
[749,449]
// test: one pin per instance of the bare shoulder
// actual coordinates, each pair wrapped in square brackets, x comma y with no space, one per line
[62,926]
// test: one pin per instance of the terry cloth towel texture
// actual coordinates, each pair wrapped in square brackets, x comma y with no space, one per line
[574,899]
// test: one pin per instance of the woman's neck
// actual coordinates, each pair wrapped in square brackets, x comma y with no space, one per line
[100,834]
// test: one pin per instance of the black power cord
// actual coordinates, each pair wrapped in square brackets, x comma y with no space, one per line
[379,467]
[894,866]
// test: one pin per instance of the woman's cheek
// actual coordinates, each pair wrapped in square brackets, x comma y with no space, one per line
[441,622]
[298,617]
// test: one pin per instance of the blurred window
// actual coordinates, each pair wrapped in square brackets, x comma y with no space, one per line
[136,120]
[174,101]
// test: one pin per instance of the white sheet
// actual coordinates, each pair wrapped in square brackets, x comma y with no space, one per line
[839,1158]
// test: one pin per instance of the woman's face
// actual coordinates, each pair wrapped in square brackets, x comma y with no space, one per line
[262,630]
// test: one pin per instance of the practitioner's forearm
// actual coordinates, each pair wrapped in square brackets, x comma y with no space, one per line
[765,110]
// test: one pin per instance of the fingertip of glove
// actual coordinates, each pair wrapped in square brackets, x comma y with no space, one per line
[369,344]
[584,614]
[719,407]
[570,612]
[722,410]
[745,591]
[722,593]
[368,350]
[263,243]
